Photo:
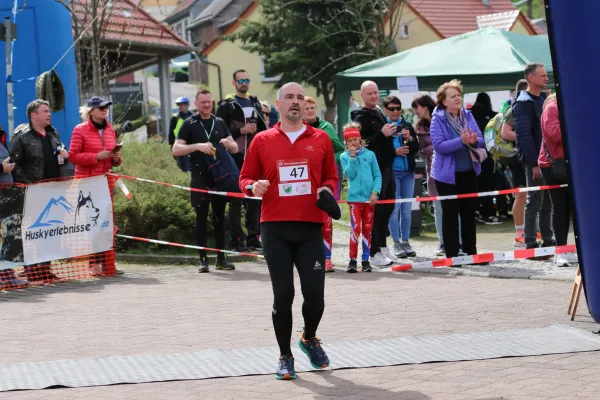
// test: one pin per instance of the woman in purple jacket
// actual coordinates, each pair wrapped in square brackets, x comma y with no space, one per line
[453,130]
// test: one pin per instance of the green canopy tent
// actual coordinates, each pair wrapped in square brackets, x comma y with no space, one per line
[487,59]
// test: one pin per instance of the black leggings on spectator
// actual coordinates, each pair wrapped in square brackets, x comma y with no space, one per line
[286,244]
[466,182]
[218,217]
[383,212]
[561,207]
[486,183]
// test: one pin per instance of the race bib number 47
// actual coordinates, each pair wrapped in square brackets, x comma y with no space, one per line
[294,178]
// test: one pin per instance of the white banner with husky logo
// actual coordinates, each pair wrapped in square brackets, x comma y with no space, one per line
[67,219]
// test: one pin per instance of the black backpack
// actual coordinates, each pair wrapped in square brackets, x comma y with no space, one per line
[223,170]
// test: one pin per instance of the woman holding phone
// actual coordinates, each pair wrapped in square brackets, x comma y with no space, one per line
[94,140]
[406,147]
[94,151]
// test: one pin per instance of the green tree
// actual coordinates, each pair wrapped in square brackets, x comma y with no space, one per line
[537,8]
[309,41]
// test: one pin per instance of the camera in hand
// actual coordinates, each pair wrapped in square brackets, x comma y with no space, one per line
[252,119]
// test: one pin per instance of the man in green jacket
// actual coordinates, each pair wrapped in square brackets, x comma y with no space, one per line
[183,104]
[310,117]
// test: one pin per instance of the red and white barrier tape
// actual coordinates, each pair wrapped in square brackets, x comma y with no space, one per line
[123,188]
[189,189]
[485,258]
[189,246]
[391,201]
[470,195]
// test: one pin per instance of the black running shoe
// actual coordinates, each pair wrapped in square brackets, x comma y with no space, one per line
[352,267]
[366,266]
[285,369]
[314,351]
[224,265]
[253,243]
[237,245]
[203,267]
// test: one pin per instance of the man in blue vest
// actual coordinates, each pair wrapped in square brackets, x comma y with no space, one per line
[183,103]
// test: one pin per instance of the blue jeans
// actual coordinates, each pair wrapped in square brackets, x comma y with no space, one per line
[437,205]
[400,219]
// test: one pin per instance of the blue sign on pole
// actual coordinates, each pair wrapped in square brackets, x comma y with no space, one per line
[573,30]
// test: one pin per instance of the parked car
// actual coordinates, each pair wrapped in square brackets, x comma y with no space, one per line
[180,68]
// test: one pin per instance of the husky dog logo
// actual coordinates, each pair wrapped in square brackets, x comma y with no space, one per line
[85,202]
[48,216]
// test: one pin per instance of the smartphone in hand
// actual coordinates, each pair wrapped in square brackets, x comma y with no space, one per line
[117,148]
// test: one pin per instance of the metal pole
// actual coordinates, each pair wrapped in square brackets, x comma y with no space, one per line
[145,90]
[165,96]
[9,85]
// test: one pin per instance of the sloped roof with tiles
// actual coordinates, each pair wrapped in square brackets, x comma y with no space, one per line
[454,17]
[506,21]
[129,23]
[503,20]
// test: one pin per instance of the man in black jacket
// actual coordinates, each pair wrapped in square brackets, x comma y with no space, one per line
[244,117]
[36,151]
[378,134]
[527,111]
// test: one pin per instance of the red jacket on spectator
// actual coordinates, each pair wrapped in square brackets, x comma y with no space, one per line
[86,143]
[551,136]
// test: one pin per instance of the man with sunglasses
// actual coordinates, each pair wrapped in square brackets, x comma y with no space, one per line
[243,115]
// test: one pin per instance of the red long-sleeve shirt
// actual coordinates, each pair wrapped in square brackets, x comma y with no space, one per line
[272,150]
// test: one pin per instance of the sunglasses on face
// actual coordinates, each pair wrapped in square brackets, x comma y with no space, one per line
[392,109]
[103,108]
[266,114]
[243,81]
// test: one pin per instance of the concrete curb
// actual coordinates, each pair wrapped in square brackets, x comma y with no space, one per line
[494,274]
[193,260]
[176,260]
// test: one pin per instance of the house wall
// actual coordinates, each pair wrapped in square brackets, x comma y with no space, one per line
[419,33]
[230,56]
[203,35]
[519,27]
[159,12]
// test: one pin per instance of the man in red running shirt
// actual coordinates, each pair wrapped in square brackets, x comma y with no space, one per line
[288,166]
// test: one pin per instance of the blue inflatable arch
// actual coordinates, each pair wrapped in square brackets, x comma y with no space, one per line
[44,34]
[573,32]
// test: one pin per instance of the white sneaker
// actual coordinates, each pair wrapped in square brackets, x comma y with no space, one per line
[572,258]
[380,260]
[561,260]
[388,254]
[399,250]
